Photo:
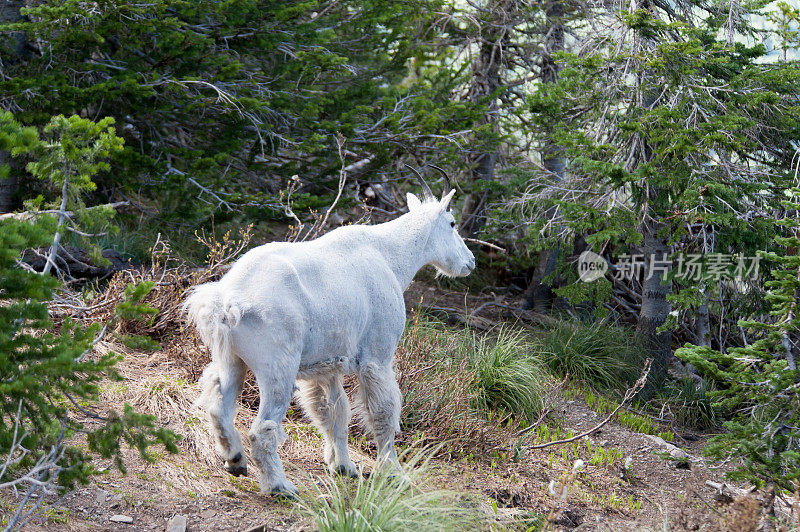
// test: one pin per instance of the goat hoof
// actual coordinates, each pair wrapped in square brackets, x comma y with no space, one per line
[236,470]
[236,466]
[285,493]
[345,471]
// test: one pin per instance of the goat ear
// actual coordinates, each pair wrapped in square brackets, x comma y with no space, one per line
[445,201]
[413,201]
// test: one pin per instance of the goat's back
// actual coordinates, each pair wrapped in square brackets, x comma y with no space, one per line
[335,294]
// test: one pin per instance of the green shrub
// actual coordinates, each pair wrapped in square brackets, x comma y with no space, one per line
[602,356]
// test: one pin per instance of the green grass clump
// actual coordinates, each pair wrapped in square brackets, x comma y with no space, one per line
[602,356]
[507,377]
[385,502]
[691,404]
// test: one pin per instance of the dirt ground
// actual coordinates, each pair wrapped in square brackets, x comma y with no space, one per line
[651,493]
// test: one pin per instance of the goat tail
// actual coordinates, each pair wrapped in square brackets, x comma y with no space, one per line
[214,318]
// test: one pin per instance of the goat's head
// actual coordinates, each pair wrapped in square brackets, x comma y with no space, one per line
[450,255]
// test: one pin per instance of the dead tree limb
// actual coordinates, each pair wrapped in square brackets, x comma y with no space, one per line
[632,391]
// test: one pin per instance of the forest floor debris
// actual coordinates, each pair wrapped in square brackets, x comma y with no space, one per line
[614,479]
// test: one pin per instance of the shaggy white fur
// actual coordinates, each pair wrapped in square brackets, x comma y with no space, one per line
[313,311]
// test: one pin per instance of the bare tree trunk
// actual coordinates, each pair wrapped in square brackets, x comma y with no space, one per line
[539,294]
[20,51]
[655,307]
[485,83]
[702,327]
[8,186]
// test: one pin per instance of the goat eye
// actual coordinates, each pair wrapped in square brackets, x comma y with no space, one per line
[452,224]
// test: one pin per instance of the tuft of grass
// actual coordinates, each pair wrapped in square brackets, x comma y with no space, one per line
[139,342]
[507,377]
[693,407]
[602,356]
[466,389]
[437,379]
[387,503]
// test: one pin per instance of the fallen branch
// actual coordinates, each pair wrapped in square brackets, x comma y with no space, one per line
[632,391]
[487,244]
[725,493]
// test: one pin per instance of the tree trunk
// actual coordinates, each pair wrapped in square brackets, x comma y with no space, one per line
[20,51]
[20,47]
[702,327]
[8,186]
[485,83]
[655,307]
[539,295]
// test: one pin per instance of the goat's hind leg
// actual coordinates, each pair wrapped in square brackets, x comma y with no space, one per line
[221,385]
[326,403]
[275,386]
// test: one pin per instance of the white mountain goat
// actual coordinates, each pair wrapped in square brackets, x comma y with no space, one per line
[313,311]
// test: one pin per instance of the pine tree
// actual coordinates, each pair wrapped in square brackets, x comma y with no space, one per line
[47,373]
[668,149]
[758,386]
[220,103]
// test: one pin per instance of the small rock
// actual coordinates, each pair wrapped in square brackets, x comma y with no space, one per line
[119,518]
[100,496]
[674,451]
[178,523]
[603,443]
[205,514]
[678,454]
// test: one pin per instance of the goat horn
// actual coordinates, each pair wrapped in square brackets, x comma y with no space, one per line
[426,190]
[448,186]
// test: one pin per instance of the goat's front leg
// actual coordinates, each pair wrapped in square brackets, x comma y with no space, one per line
[380,399]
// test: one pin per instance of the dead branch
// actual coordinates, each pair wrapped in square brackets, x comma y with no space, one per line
[632,391]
